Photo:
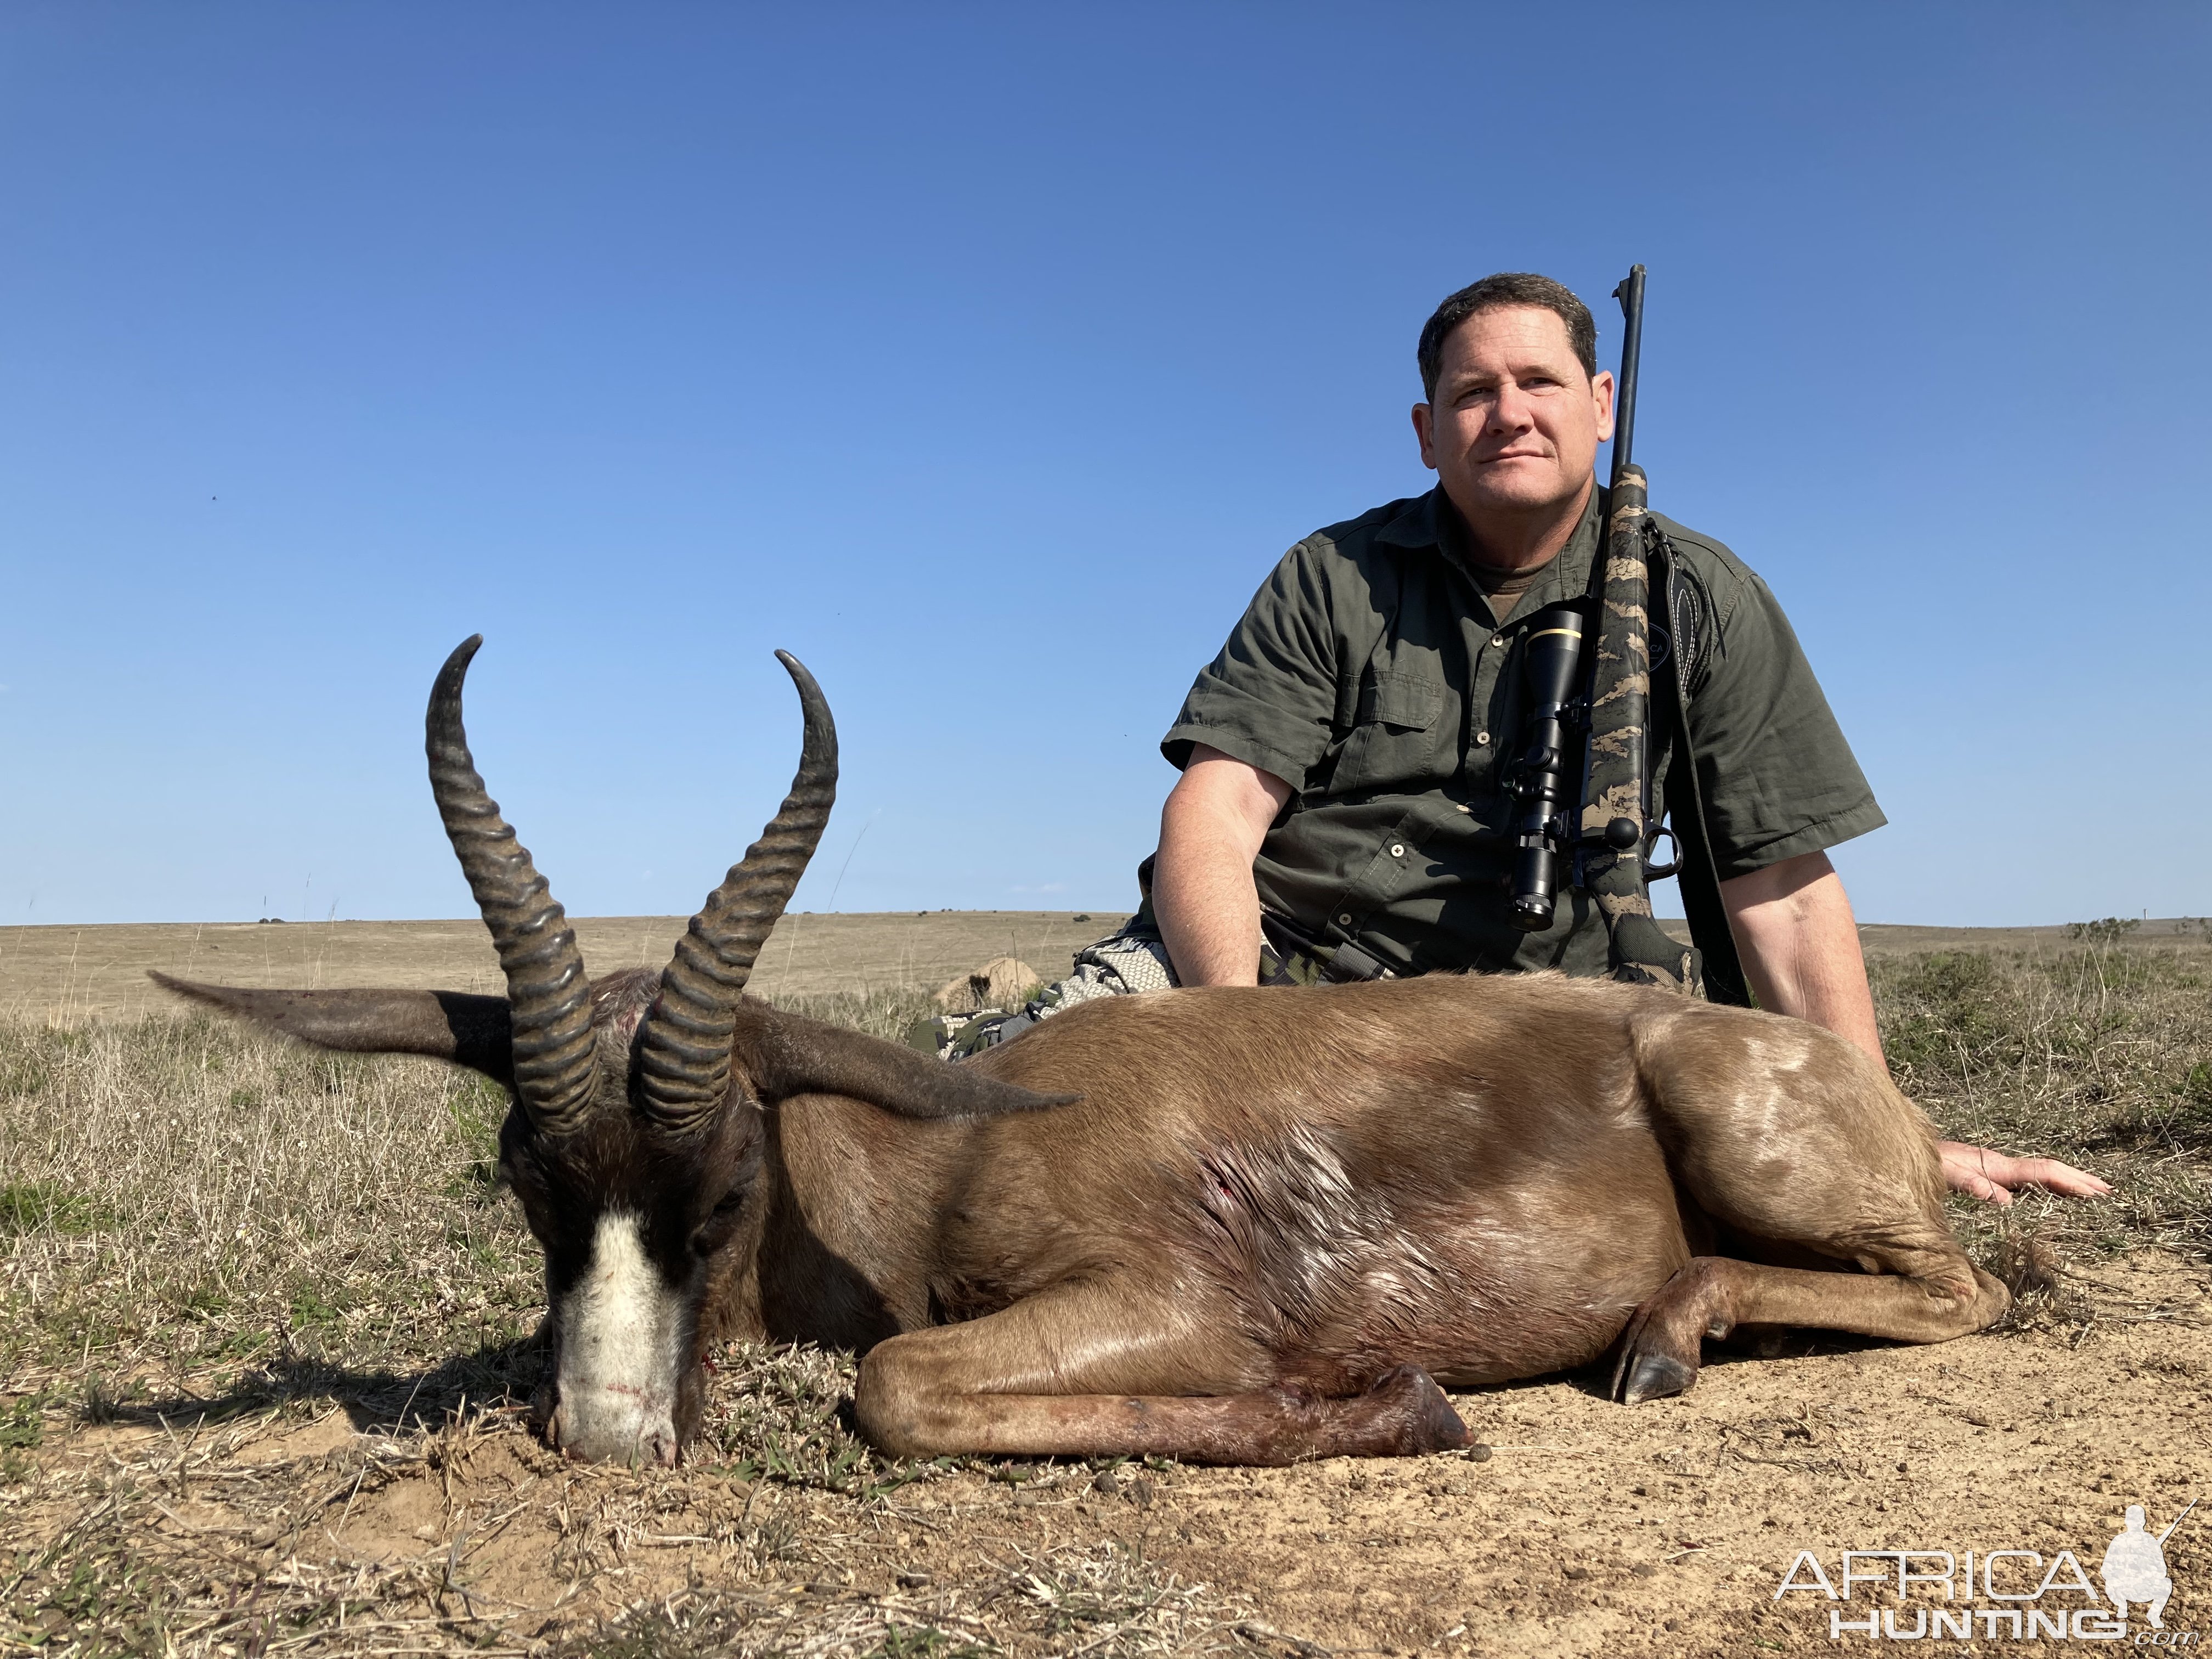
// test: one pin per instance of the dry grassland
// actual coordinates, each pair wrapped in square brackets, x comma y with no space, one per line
[266,1348]
[64,975]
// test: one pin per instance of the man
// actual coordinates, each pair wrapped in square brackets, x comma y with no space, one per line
[1343,809]
[2135,1570]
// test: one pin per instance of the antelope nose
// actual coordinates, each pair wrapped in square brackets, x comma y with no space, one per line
[652,1446]
[612,1431]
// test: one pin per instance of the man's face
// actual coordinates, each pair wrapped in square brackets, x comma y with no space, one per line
[1516,423]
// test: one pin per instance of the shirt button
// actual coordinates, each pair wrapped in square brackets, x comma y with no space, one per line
[1397,851]
[1498,640]
[1482,741]
[1344,920]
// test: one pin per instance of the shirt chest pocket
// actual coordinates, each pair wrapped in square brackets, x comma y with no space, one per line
[1401,701]
[1395,734]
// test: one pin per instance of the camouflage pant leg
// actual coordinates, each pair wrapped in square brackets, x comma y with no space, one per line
[1131,963]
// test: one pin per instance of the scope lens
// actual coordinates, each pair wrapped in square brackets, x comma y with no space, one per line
[1531,914]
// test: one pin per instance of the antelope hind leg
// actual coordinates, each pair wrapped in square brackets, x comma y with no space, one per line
[1713,1294]
[1096,1370]
[1789,1136]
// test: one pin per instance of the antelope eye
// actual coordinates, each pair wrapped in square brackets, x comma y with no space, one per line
[716,1229]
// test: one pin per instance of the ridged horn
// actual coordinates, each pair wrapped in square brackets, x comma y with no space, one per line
[546,989]
[684,1055]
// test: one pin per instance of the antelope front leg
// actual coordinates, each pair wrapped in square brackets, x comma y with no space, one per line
[1098,1370]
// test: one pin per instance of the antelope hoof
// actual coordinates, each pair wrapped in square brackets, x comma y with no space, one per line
[1427,1421]
[1661,1346]
[1653,1377]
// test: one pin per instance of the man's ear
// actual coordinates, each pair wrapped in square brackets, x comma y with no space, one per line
[469,1030]
[1601,395]
[1424,429]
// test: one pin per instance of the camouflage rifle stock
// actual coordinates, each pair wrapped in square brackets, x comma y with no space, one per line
[1617,829]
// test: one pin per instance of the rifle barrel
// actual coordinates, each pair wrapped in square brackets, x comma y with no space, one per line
[1631,296]
[2176,1521]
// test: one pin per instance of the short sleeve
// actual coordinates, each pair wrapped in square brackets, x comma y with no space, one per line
[1269,698]
[1778,777]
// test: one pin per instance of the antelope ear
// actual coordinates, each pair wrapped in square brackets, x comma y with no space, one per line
[469,1030]
[790,1055]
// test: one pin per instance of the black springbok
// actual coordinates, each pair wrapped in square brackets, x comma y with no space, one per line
[1242,1226]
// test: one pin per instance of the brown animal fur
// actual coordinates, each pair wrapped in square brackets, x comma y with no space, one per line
[1265,1191]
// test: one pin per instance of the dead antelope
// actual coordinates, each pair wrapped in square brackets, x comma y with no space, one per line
[1270,1219]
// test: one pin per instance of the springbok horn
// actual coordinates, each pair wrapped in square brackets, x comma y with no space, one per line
[546,988]
[685,1054]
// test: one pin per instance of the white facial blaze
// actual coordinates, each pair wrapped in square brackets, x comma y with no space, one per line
[620,1326]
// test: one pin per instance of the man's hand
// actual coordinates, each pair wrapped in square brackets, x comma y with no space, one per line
[1210,829]
[1981,1173]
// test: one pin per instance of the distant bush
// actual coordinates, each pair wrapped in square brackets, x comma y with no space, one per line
[2110,930]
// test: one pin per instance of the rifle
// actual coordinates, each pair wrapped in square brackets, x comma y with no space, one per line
[1608,845]
[2176,1521]
[1549,838]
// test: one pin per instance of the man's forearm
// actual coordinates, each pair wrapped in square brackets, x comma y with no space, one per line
[1799,946]
[1205,902]
[1203,897]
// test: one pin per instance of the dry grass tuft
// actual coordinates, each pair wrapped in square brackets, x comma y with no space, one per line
[2042,1295]
[192,1210]
[256,1297]
[2101,1056]
[881,1011]
[1090,1599]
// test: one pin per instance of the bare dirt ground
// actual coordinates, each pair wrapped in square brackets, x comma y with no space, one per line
[1587,1529]
[265,1355]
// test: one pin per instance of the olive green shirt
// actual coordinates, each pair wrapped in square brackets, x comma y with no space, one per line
[1369,675]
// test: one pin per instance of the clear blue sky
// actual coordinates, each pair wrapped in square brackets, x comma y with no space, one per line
[987,357]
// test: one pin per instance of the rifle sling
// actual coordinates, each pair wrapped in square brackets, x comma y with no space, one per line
[1637,572]
[1700,876]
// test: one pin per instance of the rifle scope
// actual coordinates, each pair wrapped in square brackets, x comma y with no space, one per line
[1550,655]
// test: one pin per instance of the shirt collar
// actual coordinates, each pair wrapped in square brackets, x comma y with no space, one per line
[1431,523]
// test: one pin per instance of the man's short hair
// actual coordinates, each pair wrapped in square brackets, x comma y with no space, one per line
[1507,288]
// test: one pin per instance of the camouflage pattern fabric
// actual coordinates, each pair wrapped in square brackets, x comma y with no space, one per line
[1130,962]
[1617,786]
